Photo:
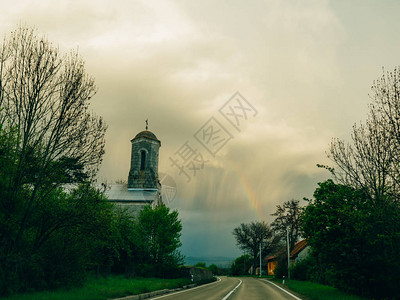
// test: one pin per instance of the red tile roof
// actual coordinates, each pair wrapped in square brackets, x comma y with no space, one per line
[272,257]
[297,248]
[300,245]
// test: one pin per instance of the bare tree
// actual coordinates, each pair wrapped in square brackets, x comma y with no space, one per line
[372,160]
[287,218]
[250,236]
[386,96]
[45,97]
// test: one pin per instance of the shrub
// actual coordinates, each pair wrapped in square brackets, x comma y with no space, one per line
[281,268]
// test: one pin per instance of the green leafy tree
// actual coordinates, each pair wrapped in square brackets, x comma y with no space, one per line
[66,237]
[159,231]
[241,265]
[48,138]
[354,245]
[71,234]
[250,236]
[214,269]
[44,98]
[200,265]
[123,242]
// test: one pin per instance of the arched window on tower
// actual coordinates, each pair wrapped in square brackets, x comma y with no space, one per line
[142,160]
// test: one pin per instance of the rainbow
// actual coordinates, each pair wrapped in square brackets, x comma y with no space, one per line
[250,194]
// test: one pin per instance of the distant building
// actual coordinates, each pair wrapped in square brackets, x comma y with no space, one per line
[143,186]
[272,262]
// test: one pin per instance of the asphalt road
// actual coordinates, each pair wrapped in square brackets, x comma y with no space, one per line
[224,289]
[254,289]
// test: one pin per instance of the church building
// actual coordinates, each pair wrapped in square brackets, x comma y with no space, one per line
[143,186]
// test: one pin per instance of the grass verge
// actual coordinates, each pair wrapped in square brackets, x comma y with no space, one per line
[315,291]
[105,288]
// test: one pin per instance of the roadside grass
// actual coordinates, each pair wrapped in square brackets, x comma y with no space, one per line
[105,288]
[315,291]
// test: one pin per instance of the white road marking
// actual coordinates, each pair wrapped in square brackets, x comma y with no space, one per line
[191,289]
[230,293]
[282,289]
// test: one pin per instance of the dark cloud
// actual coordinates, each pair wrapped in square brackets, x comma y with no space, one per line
[306,67]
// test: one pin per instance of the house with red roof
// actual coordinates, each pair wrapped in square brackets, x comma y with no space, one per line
[299,252]
[272,262]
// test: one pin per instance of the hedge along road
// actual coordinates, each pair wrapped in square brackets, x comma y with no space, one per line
[232,288]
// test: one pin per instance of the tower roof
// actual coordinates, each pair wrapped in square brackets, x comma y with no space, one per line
[146,134]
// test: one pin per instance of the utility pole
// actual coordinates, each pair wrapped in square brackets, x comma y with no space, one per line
[288,251]
[260,261]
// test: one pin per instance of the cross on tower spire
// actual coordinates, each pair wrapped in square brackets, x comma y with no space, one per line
[147,124]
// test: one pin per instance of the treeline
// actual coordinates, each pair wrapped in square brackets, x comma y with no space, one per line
[55,227]
[72,234]
[216,270]
[352,224]
[354,241]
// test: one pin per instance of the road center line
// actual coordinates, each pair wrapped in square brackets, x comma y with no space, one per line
[191,289]
[230,293]
[282,289]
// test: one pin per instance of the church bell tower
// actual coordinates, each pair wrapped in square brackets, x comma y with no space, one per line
[143,173]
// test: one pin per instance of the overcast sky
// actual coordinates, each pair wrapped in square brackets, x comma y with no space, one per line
[304,67]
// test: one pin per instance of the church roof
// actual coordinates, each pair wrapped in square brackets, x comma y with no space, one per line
[120,193]
[146,134]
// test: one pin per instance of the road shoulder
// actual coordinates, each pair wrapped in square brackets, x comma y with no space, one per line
[283,287]
[165,291]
